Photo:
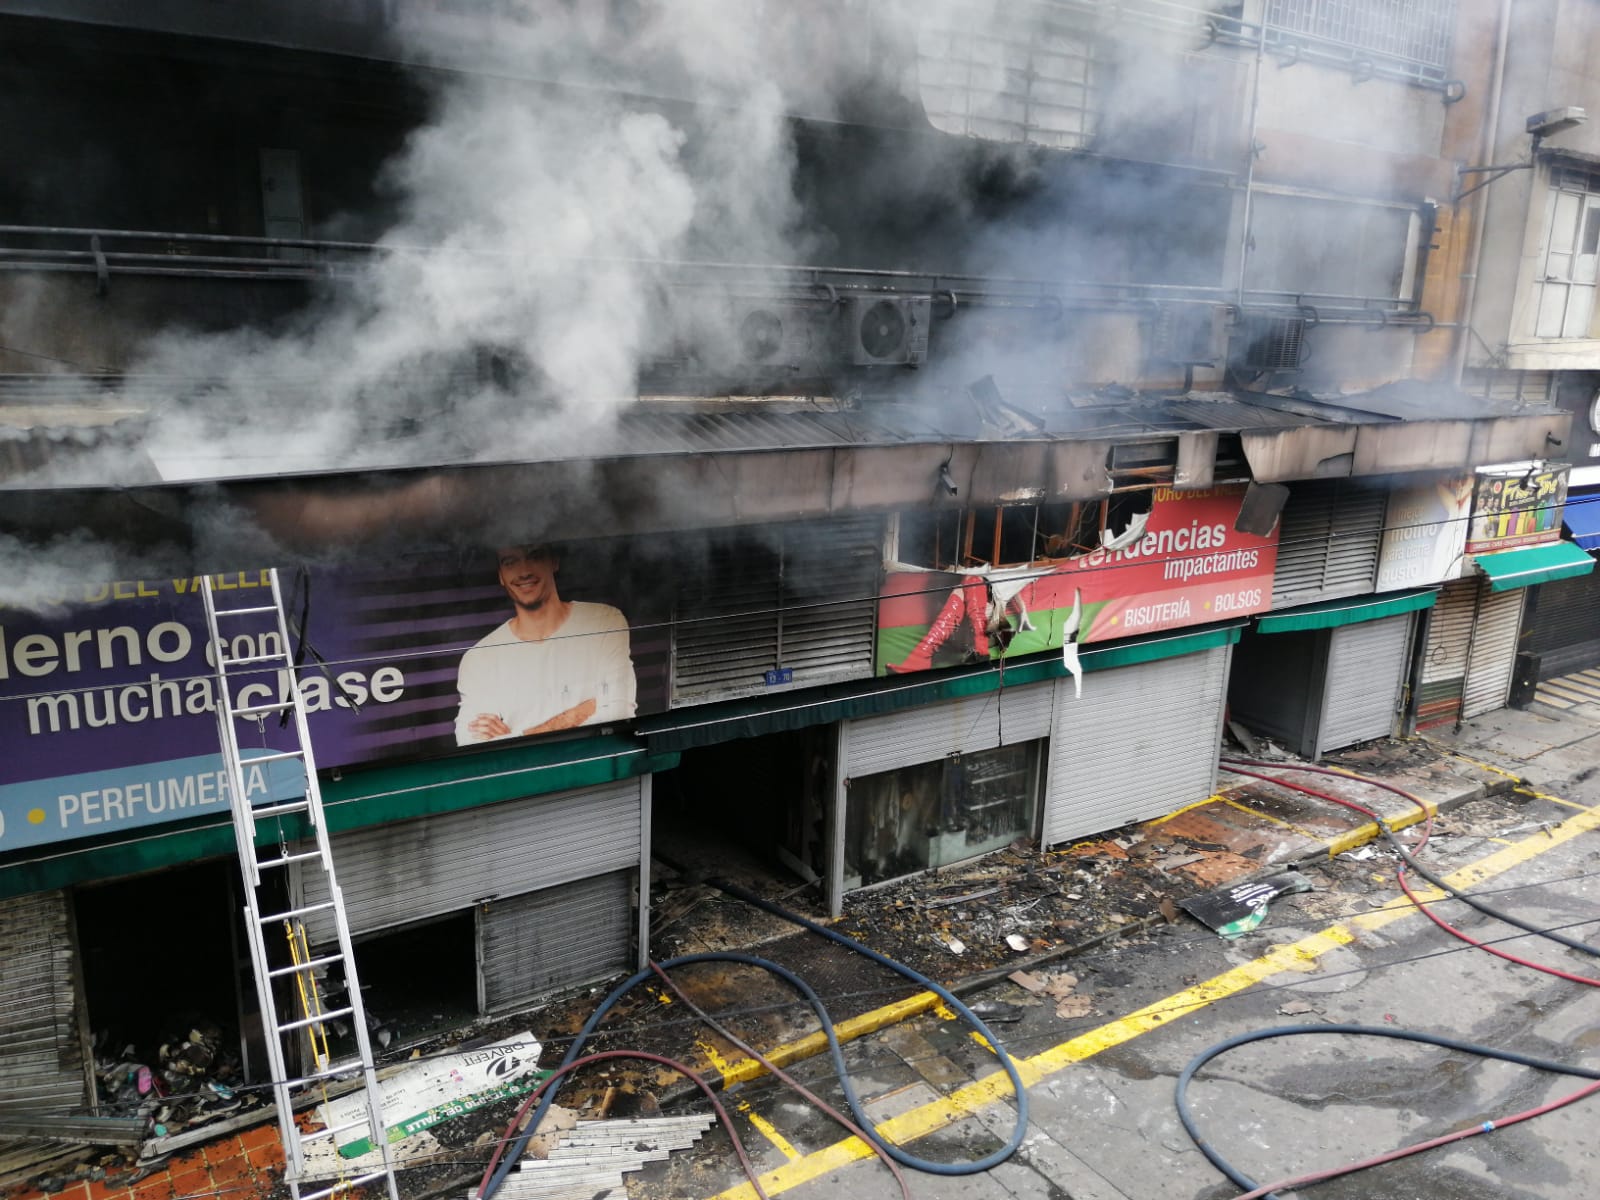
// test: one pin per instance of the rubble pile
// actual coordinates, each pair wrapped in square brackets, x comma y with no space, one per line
[194,1078]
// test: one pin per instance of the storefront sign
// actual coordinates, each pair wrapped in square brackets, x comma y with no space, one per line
[107,699]
[1188,566]
[1425,533]
[1517,508]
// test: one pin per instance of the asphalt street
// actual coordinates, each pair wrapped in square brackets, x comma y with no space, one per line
[1102,1054]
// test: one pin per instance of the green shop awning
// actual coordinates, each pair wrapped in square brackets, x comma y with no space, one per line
[714,723]
[353,800]
[1528,565]
[1330,614]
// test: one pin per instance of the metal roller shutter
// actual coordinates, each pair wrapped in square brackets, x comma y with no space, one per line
[1565,630]
[1142,741]
[41,1044]
[1494,653]
[935,731]
[1444,659]
[801,597]
[553,939]
[1328,542]
[1366,667]
[410,870]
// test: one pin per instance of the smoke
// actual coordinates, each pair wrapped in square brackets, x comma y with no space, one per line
[510,307]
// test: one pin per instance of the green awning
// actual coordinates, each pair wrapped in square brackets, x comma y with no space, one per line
[1330,614]
[354,800]
[714,723]
[1528,565]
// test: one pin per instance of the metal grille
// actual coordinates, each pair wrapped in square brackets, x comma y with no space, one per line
[1416,33]
[41,1054]
[1270,343]
[1366,665]
[547,941]
[1141,741]
[792,596]
[1565,631]
[1444,659]
[934,731]
[410,870]
[1494,653]
[1328,542]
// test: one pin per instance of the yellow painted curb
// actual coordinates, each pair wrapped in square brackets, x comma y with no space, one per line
[744,1069]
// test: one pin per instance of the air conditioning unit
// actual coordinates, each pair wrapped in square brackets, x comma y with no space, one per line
[887,330]
[773,334]
[1262,342]
[1190,335]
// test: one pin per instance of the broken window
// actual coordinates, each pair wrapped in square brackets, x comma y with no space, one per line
[1015,535]
[933,814]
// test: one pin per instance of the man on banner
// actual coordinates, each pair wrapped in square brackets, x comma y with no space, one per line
[555,664]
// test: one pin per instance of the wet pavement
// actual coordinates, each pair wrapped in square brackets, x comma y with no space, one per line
[1101,937]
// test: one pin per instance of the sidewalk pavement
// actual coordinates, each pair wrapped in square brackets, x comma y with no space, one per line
[1247,830]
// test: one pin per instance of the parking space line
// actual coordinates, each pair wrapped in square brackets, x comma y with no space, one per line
[1300,956]
[769,1131]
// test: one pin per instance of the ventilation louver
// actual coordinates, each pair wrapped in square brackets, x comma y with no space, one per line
[1267,343]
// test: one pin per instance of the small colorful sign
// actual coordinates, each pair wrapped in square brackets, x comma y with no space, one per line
[1517,507]
[1186,565]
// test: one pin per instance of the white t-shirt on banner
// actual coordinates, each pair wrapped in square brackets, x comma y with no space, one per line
[527,683]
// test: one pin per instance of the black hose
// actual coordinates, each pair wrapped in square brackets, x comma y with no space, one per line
[1205,1056]
[966,1014]
[1411,863]
[509,1162]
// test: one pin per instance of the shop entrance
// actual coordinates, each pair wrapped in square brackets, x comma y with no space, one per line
[167,985]
[753,810]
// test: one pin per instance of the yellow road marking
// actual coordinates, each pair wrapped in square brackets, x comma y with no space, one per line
[1256,812]
[1298,956]
[745,1069]
[766,1129]
[1521,787]
[1188,808]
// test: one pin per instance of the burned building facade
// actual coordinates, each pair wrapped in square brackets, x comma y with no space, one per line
[936,421]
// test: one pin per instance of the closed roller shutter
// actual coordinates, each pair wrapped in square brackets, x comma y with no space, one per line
[554,939]
[801,597]
[935,731]
[1565,631]
[1142,741]
[1494,652]
[1366,668]
[1328,542]
[1444,659]
[41,1044]
[410,870]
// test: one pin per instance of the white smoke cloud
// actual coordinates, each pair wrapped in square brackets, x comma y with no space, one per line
[543,212]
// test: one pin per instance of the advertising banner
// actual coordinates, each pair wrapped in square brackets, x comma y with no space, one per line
[107,700]
[1425,533]
[1186,565]
[1517,508]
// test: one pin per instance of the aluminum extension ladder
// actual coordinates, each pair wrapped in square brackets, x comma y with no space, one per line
[268,665]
